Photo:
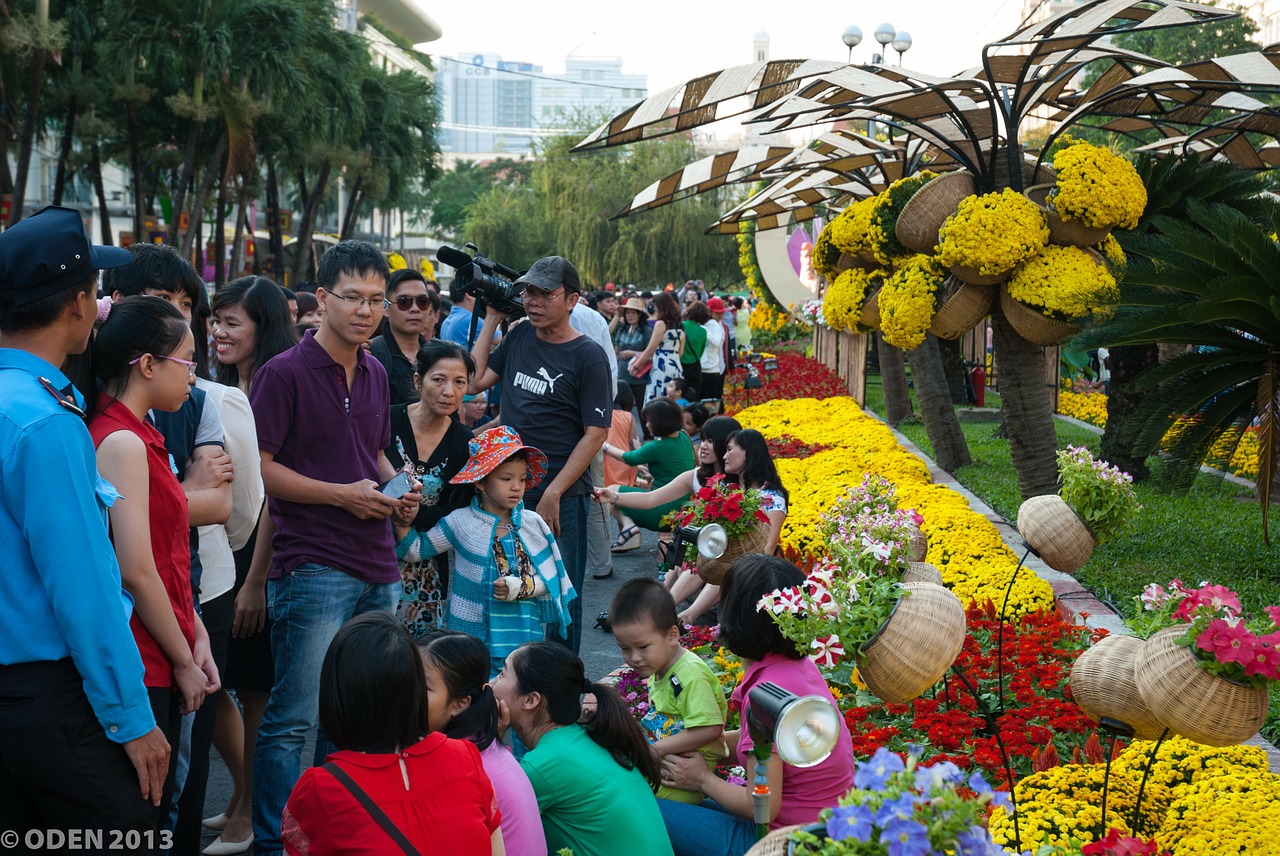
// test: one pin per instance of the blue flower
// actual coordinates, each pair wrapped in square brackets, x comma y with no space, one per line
[906,838]
[852,821]
[901,808]
[937,776]
[914,751]
[979,785]
[873,773]
[1001,798]
[976,842]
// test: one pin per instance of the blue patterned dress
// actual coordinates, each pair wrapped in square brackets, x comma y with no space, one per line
[666,364]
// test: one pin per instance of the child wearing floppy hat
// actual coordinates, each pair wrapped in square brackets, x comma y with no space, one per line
[508,583]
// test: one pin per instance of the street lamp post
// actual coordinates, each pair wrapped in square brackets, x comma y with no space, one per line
[852,37]
[884,35]
[902,43]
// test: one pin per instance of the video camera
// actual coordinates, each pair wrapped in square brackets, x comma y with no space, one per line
[490,283]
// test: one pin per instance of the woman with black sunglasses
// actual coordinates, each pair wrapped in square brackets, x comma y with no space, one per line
[410,322]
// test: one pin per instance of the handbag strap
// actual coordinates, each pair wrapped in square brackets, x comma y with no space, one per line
[378,815]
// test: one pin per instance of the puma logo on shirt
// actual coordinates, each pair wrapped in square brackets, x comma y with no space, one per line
[537,386]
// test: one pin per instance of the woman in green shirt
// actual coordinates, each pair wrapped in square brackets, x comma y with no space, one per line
[695,315]
[667,455]
[594,782]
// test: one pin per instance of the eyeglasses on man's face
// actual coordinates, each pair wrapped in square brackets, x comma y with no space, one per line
[352,301]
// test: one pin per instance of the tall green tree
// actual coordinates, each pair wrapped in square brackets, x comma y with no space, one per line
[1210,282]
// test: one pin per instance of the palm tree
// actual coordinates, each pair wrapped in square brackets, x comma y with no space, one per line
[1210,282]
[1171,184]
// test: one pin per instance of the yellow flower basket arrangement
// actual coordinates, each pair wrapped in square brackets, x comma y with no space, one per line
[1066,283]
[1111,251]
[908,301]
[856,231]
[842,304]
[991,234]
[892,201]
[1097,187]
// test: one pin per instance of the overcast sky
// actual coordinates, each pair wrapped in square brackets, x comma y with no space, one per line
[674,40]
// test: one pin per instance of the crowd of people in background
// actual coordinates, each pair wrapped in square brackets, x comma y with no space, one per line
[362,515]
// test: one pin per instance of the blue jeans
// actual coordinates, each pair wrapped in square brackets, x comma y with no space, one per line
[706,830]
[573,549]
[307,607]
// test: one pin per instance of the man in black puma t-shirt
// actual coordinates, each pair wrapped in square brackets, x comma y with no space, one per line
[557,393]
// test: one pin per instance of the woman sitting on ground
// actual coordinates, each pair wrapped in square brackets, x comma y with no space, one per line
[595,781]
[667,455]
[710,454]
[796,795]
[392,780]
[747,462]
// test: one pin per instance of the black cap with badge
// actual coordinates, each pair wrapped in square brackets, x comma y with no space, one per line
[50,252]
[550,273]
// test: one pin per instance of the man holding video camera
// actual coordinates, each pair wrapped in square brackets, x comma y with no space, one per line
[557,394]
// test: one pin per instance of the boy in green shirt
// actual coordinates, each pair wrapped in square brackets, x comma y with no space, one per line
[687,709]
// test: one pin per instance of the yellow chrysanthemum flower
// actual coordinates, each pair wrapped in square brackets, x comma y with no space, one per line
[1064,282]
[993,232]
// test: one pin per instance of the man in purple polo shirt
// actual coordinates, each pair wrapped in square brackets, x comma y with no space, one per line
[322,411]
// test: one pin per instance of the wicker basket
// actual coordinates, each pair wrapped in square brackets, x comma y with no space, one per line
[929,208]
[847,261]
[917,644]
[918,546]
[713,570]
[1102,683]
[1199,706]
[922,572]
[776,843]
[972,276]
[1055,532]
[963,306]
[1036,327]
[1064,233]
[870,318]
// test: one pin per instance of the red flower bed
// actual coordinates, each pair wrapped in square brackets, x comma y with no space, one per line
[1039,713]
[797,376]
[787,446]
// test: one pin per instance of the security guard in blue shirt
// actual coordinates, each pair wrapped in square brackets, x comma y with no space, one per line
[79,747]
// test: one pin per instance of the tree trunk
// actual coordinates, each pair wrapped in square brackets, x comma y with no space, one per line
[949,447]
[211,172]
[353,210]
[95,173]
[1024,403]
[6,134]
[953,370]
[220,229]
[302,259]
[242,221]
[1118,448]
[27,141]
[64,150]
[135,166]
[893,381]
[273,221]
[184,180]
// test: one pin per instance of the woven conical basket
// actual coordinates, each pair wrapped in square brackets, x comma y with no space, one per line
[962,307]
[915,646]
[1064,233]
[923,215]
[973,276]
[870,317]
[713,570]
[776,843]
[1055,532]
[922,572]
[1036,327]
[1199,706]
[1102,683]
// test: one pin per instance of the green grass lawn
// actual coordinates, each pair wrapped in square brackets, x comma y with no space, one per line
[1213,532]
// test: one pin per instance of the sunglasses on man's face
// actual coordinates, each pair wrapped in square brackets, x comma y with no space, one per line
[404,301]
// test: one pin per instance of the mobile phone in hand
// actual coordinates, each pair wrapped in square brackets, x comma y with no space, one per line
[396,486]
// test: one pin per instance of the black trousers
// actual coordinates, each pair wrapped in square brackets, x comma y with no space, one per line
[693,375]
[58,770]
[217,615]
